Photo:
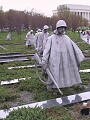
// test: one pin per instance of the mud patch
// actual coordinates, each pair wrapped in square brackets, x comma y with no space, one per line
[25,97]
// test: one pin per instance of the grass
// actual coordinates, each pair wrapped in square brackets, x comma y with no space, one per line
[38,114]
[84,46]
[74,36]
[15,38]
[9,93]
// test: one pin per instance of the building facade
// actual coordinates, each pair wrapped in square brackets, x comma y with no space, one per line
[81,10]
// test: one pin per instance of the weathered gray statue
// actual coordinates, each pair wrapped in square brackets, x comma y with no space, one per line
[30,38]
[42,39]
[9,36]
[62,56]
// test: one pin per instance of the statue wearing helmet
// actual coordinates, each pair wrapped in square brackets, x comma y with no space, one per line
[36,37]
[42,39]
[30,38]
[62,56]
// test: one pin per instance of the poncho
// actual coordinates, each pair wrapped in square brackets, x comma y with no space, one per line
[63,57]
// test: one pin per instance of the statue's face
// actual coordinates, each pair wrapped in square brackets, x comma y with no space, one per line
[31,32]
[61,30]
[45,30]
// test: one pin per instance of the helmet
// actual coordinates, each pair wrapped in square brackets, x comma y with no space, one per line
[39,30]
[45,27]
[31,31]
[61,23]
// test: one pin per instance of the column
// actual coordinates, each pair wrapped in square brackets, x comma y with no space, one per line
[85,15]
[88,16]
[81,14]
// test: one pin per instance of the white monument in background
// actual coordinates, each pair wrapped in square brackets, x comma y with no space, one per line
[82,10]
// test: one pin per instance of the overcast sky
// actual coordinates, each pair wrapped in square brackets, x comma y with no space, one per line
[41,6]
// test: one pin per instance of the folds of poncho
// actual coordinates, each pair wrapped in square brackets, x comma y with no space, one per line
[63,57]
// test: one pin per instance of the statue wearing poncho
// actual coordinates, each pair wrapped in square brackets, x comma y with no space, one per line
[62,56]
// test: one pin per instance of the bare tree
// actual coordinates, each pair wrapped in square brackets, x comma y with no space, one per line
[2,21]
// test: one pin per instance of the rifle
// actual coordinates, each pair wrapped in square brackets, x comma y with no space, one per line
[37,58]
